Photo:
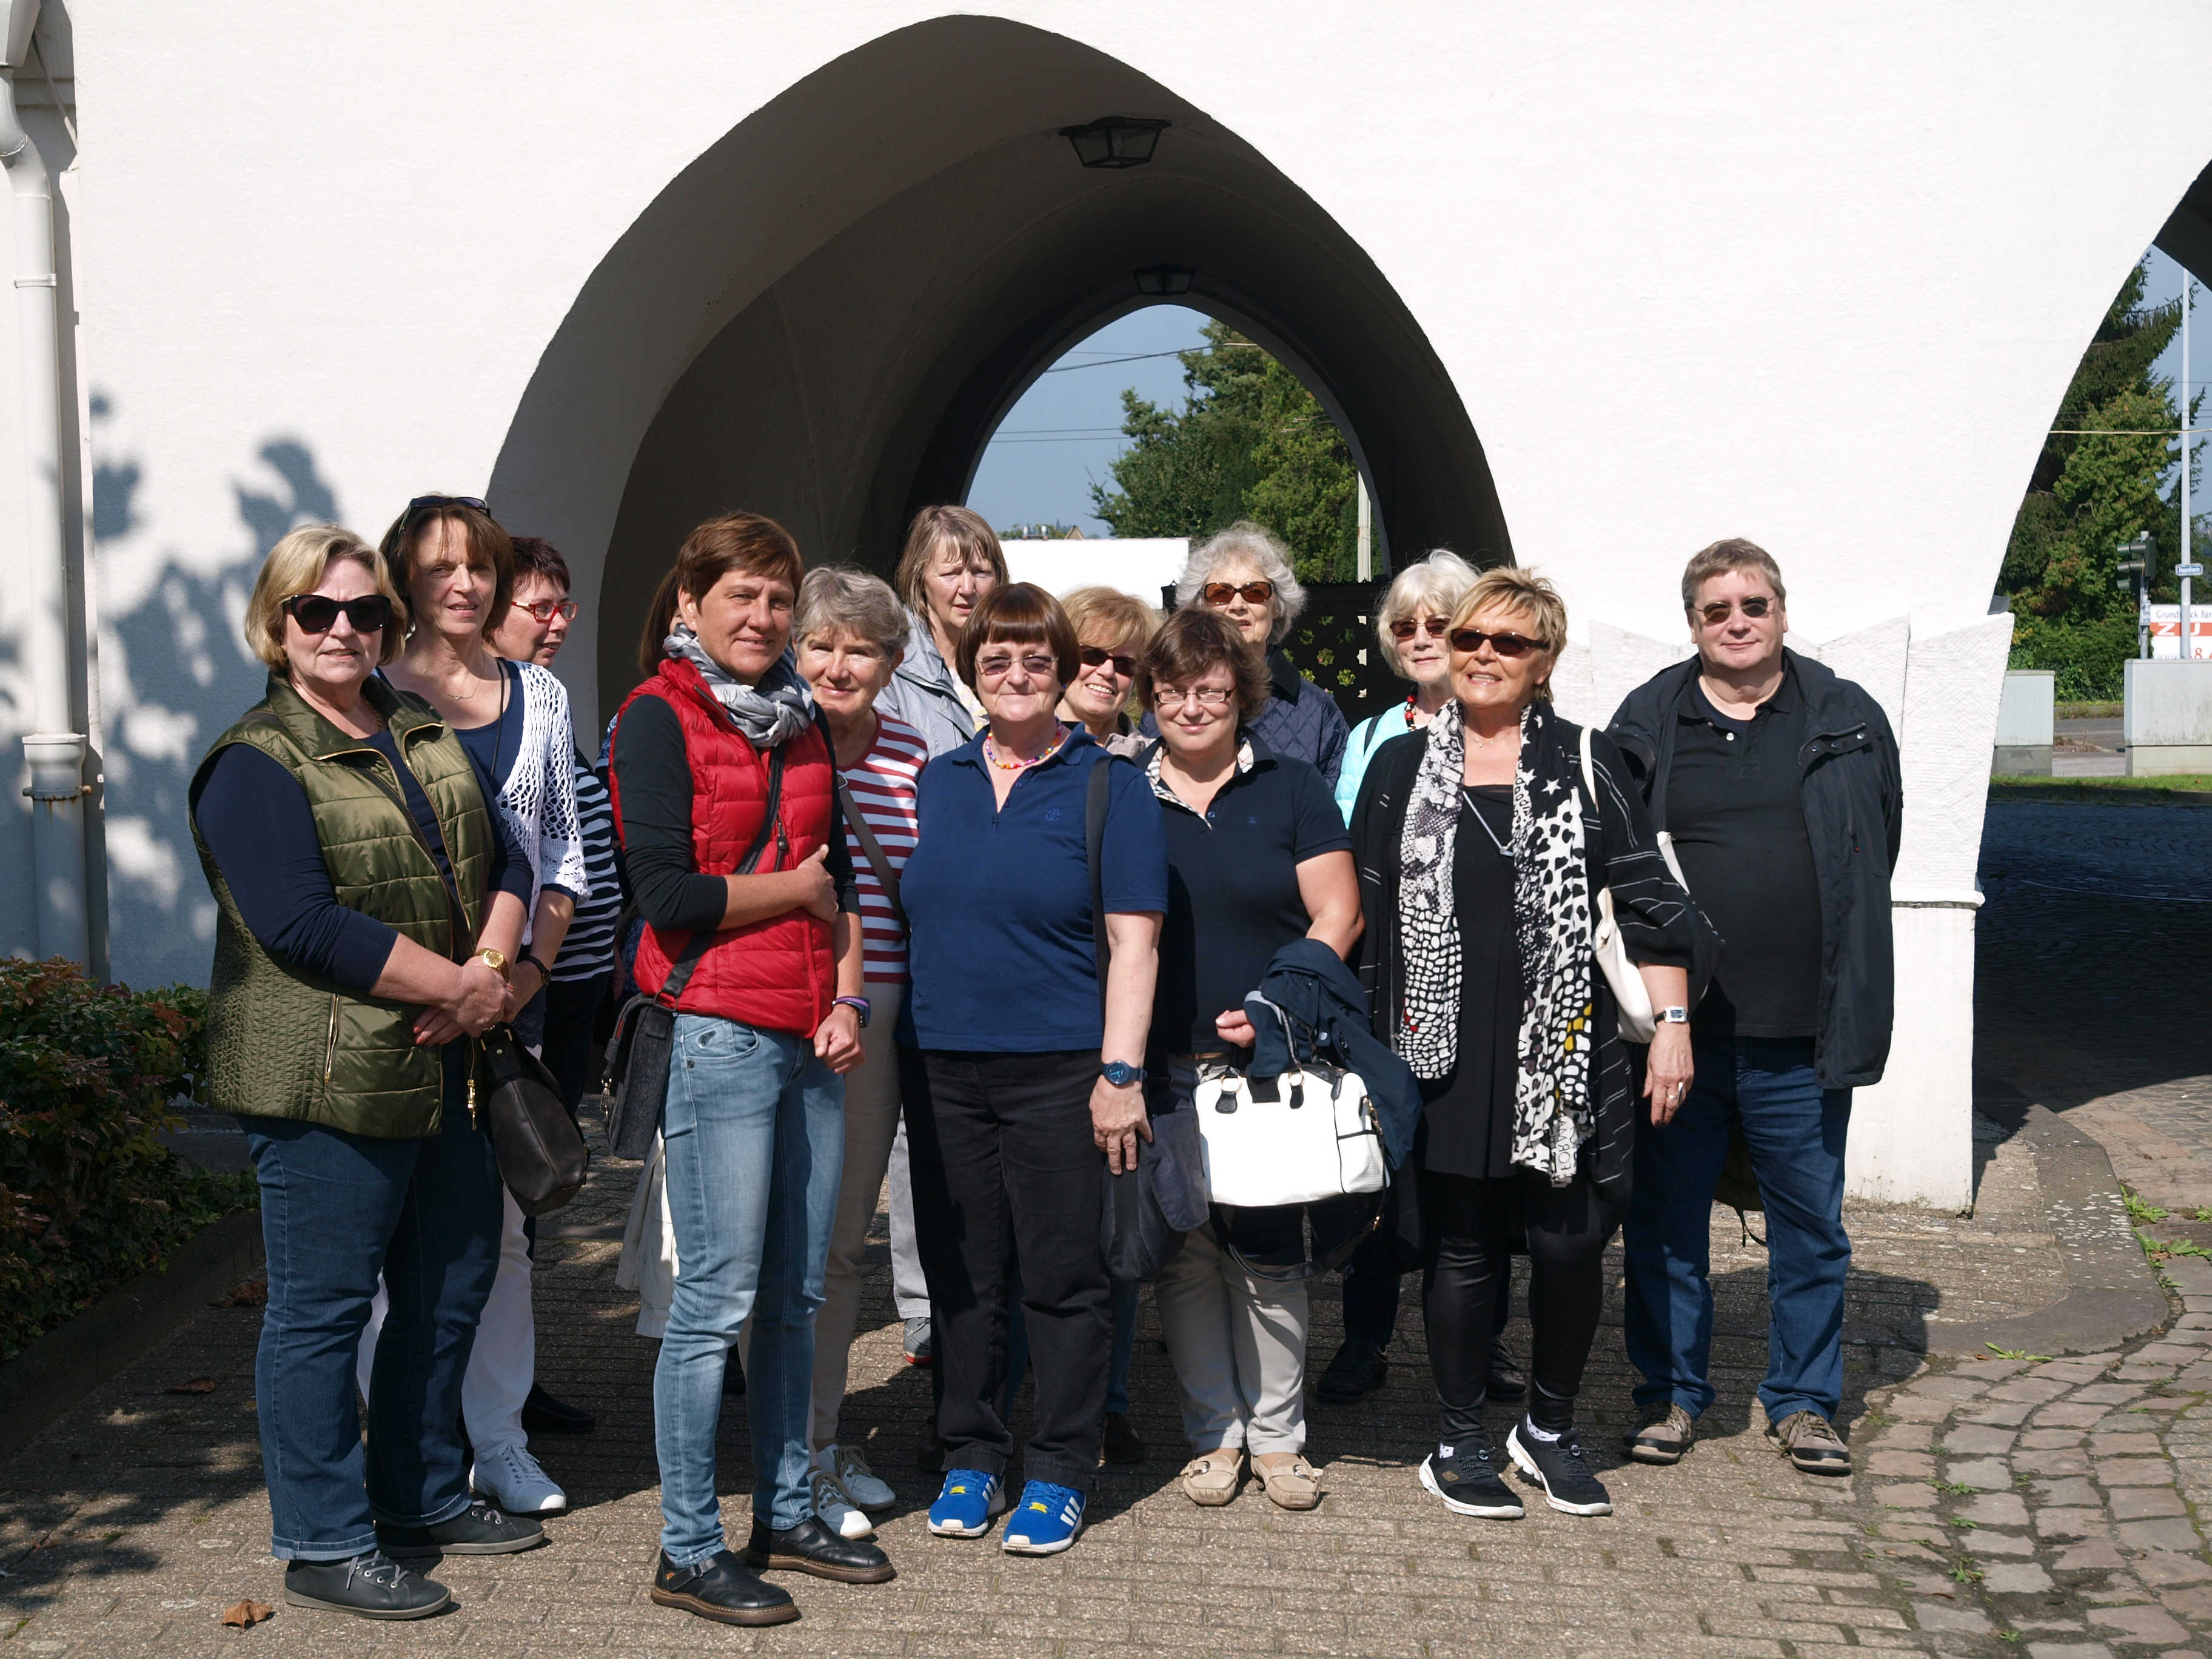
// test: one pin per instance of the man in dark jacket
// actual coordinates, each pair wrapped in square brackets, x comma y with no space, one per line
[1778,783]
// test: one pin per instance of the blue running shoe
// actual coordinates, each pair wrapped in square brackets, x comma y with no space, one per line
[964,1508]
[1045,1522]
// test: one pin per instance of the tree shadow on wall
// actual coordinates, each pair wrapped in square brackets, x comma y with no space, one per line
[178,673]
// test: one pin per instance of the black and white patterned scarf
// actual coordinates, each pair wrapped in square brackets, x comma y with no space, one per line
[773,712]
[1552,1110]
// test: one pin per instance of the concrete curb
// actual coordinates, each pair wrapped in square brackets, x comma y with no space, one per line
[65,1364]
[2114,1293]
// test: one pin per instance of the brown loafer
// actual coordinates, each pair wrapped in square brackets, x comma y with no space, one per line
[1210,1479]
[1288,1479]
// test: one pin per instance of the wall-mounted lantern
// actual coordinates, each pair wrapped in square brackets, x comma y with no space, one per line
[1116,141]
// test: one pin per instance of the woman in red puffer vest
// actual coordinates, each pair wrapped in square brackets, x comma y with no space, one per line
[763,969]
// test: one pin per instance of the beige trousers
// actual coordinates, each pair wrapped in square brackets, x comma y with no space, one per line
[1239,1349]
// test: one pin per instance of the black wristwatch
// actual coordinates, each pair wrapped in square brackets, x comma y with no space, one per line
[1121,1073]
[544,974]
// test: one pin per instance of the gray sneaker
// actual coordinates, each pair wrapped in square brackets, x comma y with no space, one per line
[918,1344]
[1809,1441]
[1663,1436]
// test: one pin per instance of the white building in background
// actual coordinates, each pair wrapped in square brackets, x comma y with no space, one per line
[1138,565]
[1585,287]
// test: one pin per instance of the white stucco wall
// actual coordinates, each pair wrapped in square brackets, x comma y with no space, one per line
[1695,271]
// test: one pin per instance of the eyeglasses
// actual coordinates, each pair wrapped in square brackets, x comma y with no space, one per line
[1405,628]
[317,613]
[1221,593]
[422,502]
[1505,645]
[1039,667]
[545,610]
[1205,697]
[1717,612]
[1093,656]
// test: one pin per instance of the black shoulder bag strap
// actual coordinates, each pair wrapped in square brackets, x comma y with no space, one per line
[679,971]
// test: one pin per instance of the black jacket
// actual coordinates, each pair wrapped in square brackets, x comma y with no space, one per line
[1854,817]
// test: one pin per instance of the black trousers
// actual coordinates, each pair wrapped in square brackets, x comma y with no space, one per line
[571,1006]
[1004,1169]
[1471,1224]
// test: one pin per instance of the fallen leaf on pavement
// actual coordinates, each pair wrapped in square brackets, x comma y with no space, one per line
[197,1385]
[248,1294]
[245,1614]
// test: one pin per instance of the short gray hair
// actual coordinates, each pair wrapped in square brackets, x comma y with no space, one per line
[1437,583]
[1245,542]
[843,599]
[1733,554]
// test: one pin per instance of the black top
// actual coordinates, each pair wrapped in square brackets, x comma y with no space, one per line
[1468,1112]
[1735,806]
[255,818]
[1233,898]
[496,744]
[653,775]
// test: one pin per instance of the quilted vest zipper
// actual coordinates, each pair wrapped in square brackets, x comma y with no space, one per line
[330,1042]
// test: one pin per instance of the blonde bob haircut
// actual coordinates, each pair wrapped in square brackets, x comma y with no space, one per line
[1505,588]
[967,531]
[1110,617]
[297,565]
[1434,586]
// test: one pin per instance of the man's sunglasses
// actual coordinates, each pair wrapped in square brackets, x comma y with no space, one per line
[422,502]
[545,610]
[1094,656]
[317,613]
[1221,593]
[1505,645]
[1717,612]
[1405,628]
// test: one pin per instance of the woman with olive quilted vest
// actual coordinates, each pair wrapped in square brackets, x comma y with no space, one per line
[725,806]
[356,867]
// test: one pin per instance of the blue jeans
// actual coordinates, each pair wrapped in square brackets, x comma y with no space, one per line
[1796,1130]
[337,1209]
[755,1137]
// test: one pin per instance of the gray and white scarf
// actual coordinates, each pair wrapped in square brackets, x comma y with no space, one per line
[1552,1110]
[773,712]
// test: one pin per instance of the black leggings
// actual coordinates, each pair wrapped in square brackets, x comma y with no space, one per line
[1474,1224]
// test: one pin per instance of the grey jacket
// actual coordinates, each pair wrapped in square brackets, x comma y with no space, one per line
[922,693]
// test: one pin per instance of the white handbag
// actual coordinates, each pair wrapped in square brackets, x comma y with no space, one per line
[1633,998]
[1317,1138]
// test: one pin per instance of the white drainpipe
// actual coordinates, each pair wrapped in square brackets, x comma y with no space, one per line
[56,753]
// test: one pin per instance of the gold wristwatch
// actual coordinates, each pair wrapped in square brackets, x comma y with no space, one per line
[495,960]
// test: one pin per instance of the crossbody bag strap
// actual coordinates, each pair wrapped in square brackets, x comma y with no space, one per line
[679,971]
[878,861]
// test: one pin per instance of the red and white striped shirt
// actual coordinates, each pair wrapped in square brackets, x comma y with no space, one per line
[883,784]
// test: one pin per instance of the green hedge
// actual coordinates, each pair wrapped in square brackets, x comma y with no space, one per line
[2086,656]
[88,1195]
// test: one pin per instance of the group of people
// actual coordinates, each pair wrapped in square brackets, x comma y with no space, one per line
[951,882]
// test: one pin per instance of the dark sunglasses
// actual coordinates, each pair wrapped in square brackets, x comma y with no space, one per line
[1505,645]
[1092,656]
[1405,628]
[1716,613]
[422,502]
[317,613]
[545,610]
[1219,593]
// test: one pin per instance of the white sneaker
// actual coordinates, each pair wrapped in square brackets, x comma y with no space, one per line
[861,1484]
[831,1509]
[514,1483]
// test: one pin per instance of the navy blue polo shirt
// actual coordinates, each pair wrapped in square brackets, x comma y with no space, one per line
[1003,955]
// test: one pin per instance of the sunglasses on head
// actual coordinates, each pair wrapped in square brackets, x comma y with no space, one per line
[1093,656]
[422,502]
[1505,645]
[1717,612]
[1219,593]
[317,613]
[1405,628]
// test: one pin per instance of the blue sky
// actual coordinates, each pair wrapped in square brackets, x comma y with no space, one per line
[2165,284]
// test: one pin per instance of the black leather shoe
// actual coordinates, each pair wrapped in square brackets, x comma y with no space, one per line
[371,1586]
[723,1589]
[1121,1442]
[479,1530]
[810,1547]
[1506,1379]
[1357,1370]
[542,1414]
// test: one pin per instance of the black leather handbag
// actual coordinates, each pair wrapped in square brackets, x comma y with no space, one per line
[541,1152]
[645,1031]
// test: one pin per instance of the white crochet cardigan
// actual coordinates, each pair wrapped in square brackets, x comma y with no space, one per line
[539,799]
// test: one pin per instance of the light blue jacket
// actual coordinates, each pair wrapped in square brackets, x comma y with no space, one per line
[1369,735]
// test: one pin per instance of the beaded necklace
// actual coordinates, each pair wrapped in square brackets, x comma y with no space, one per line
[1018,764]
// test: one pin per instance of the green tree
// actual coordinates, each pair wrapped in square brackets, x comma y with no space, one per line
[1248,442]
